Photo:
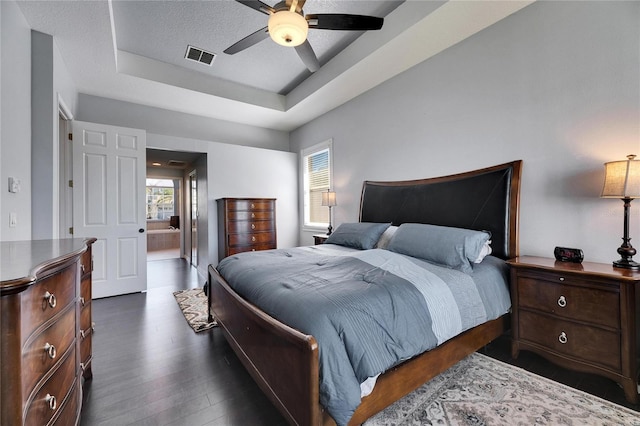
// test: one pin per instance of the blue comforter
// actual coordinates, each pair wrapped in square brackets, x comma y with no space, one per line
[369,310]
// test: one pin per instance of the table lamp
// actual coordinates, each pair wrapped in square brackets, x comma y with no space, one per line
[622,180]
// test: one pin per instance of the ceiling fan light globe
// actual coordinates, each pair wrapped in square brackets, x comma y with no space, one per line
[288,28]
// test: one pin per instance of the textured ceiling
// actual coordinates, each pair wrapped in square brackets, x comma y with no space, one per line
[162,31]
[134,51]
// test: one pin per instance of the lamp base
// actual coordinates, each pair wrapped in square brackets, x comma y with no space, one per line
[626,264]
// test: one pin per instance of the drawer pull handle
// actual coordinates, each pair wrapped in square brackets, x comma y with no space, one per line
[253,215]
[253,226]
[50,350]
[93,327]
[562,302]
[82,366]
[253,206]
[561,278]
[82,267]
[253,249]
[51,401]
[562,338]
[82,301]
[253,239]
[82,334]
[51,299]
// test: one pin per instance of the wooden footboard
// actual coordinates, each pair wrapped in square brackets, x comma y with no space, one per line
[282,360]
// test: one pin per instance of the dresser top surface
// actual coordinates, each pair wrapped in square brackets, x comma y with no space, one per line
[21,261]
[606,270]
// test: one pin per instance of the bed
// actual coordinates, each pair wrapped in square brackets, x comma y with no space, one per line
[285,361]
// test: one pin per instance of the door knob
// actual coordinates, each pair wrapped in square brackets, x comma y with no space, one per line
[141,230]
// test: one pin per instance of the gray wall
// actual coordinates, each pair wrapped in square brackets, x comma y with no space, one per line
[556,85]
[15,141]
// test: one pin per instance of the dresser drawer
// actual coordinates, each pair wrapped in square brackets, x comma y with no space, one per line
[85,315]
[242,249]
[85,346]
[242,226]
[251,215]
[250,239]
[86,262]
[249,205]
[44,350]
[41,409]
[48,297]
[85,290]
[569,301]
[582,342]
[70,409]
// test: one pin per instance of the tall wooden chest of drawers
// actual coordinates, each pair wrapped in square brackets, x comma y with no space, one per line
[246,224]
[43,349]
[580,316]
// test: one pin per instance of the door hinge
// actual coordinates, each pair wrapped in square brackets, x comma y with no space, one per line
[71,230]
[70,136]
[70,183]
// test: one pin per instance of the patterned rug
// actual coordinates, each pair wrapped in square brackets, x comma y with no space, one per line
[482,391]
[193,303]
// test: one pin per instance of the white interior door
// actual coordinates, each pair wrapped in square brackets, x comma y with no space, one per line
[109,170]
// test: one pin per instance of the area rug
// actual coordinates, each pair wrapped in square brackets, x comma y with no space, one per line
[483,391]
[193,303]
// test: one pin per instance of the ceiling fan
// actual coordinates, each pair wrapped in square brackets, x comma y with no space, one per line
[288,26]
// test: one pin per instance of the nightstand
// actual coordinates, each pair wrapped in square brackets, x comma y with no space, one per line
[319,239]
[579,316]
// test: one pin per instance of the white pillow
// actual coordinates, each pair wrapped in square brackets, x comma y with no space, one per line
[383,242]
[484,252]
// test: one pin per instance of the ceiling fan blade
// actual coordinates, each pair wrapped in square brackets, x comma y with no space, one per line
[338,21]
[248,41]
[308,56]
[258,5]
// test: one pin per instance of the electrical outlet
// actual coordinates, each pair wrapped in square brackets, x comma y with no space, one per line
[13,220]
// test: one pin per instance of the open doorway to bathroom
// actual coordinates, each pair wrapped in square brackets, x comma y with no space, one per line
[168,209]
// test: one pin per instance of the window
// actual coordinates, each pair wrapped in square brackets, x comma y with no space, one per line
[160,199]
[317,168]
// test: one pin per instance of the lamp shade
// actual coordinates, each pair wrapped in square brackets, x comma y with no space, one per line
[622,179]
[329,199]
[288,28]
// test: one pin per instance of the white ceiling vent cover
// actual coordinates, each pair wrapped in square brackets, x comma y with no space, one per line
[199,55]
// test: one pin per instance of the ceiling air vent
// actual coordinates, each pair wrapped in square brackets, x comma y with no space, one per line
[176,163]
[199,55]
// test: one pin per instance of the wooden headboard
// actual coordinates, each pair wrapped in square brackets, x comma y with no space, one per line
[487,199]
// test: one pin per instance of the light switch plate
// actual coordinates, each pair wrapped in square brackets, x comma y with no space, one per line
[14,185]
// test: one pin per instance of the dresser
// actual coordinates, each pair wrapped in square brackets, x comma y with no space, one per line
[45,344]
[579,316]
[246,224]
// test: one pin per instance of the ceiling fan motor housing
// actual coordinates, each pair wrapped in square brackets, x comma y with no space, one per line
[288,28]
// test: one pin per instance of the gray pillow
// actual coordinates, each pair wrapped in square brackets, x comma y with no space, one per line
[455,248]
[361,235]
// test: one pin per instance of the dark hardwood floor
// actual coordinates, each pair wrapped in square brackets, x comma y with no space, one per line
[150,368]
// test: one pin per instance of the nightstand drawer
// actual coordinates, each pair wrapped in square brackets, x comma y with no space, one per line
[568,301]
[586,343]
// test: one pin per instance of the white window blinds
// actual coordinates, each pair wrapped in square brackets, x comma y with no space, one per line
[317,179]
